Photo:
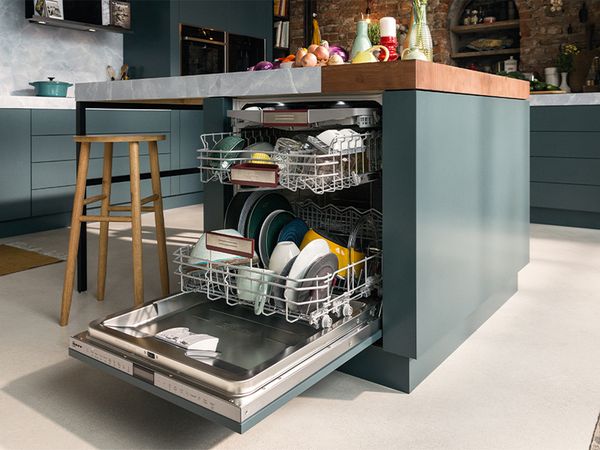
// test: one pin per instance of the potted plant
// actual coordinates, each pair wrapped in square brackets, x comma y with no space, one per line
[564,62]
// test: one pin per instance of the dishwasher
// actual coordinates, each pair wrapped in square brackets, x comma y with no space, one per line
[233,344]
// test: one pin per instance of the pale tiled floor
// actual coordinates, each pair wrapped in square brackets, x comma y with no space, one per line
[529,378]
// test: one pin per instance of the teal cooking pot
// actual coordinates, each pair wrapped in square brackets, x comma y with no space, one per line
[51,88]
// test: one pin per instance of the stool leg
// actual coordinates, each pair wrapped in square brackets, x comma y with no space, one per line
[136,222]
[104,212]
[161,238]
[82,170]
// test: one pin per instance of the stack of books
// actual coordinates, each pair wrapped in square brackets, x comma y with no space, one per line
[280,8]
[282,34]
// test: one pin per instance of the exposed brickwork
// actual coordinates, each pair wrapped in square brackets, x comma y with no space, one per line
[541,32]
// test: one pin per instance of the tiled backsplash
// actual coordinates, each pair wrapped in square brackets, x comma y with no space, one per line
[31,52]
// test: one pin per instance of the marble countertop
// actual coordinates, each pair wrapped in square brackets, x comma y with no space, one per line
[237,84]
[27,102]
[590,98]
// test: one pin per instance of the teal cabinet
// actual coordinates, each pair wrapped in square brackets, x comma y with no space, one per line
[152,50]
[15,164]
[565,165]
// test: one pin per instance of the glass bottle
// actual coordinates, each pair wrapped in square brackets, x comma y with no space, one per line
[420,36]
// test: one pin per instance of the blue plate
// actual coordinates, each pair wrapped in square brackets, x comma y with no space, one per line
[293,231]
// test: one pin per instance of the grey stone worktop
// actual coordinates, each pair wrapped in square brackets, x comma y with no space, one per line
[31,102]
[590,98]
[238,84]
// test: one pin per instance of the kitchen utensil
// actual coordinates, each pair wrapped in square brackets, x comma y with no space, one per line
[293,231]
[367,56]
[201,255]
[345,255]
[110,71]
[269,231]
[282,254]
[124,72]
[307,256]
[262,208]
[253,286]
[51,88]
[234,209]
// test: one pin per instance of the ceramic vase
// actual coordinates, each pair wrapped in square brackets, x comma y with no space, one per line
[419,37]
[361,41]
[564,86]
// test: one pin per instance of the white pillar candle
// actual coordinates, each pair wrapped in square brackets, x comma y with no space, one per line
[387,25]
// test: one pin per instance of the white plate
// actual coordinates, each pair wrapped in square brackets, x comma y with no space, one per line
[309,254]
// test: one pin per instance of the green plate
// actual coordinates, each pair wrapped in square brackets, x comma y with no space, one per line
[269,232]
[262,208]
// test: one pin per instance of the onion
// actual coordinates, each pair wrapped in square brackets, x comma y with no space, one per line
[335,50]
[309,60]
[335,59]
[263,65]
[321,53]
[299,55]
[325,44]
[312,48]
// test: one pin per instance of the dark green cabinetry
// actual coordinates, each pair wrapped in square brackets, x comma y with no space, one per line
[38,161]
[565,165]
[152,50]
[15,164]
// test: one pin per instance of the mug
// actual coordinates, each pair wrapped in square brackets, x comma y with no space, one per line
[253,286]
[368,57]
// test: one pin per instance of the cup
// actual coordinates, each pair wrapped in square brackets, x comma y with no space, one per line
[253,286]
[283,252]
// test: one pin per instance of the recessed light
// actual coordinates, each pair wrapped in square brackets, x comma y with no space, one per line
[42,22]
[92,30]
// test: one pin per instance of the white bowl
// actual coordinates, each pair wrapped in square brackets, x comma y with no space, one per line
[283,252]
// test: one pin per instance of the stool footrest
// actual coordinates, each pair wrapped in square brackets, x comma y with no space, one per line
[105,218]
[128,208]
[94,199]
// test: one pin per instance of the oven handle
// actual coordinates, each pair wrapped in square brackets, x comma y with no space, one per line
[205,41]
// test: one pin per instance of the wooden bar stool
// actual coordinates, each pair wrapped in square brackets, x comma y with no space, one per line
[136,207]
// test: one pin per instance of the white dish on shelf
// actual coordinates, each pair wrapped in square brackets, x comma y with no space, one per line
[342,141]
[309,254]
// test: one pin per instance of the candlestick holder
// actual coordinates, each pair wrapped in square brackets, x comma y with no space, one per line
[391,43]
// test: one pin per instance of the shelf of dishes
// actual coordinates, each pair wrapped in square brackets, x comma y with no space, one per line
[304,262]
[266,157]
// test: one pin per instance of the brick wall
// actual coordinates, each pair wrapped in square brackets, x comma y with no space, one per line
[541,32]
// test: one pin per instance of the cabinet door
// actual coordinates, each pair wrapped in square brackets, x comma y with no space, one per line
[15,163]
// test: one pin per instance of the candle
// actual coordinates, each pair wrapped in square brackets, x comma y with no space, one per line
[387,25]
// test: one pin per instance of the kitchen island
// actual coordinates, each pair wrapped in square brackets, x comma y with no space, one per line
[454,192]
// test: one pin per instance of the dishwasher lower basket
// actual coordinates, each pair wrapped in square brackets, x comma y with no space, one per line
[313,300]
[346,162]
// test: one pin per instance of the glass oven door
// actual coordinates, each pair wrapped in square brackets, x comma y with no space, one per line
[202,51]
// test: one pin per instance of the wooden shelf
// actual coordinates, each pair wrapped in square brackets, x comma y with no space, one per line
[283,18]
[90,27]
[486,27]
[503,51]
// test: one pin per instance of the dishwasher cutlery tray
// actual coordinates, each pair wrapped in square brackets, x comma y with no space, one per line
[346,162]
[312,300]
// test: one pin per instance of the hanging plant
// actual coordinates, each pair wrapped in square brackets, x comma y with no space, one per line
[374,33]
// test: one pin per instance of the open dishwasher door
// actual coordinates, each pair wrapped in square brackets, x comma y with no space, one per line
[260,362]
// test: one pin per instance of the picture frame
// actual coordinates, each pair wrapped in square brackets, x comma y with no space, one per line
[120,14]
[53,9]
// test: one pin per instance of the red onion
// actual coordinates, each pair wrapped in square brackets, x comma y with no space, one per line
[335,50]
[263,65]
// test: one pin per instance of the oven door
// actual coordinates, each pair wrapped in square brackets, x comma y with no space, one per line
[244,52]
[200,56]
[261,362]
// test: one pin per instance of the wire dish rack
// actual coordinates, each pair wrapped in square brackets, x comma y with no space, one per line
[316,300]
[346,162]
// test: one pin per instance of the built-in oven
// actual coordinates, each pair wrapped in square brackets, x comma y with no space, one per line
[204,51]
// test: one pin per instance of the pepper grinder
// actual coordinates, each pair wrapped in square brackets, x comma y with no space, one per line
[389,39]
